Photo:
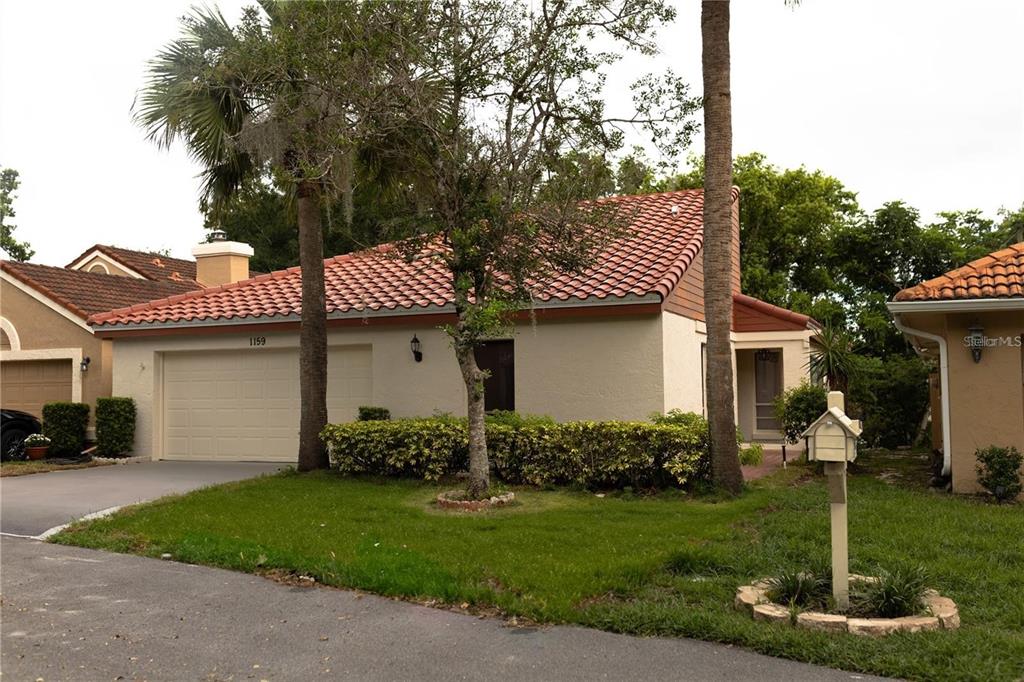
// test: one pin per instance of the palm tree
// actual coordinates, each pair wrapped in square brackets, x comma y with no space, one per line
[200,92]
[718,244]
[833,358]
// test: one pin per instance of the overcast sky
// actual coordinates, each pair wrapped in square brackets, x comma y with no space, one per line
[920,101]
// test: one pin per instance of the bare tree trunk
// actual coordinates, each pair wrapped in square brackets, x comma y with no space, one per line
[718,236]
[479,468]
[313,332]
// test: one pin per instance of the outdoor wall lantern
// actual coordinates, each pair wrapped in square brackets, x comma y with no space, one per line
[415,346]
[766,355]
[85,363]
[977,338]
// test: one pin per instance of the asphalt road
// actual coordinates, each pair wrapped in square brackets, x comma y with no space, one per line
[76,614]
[32,504]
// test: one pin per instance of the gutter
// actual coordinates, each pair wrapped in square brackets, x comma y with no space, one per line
[944,380]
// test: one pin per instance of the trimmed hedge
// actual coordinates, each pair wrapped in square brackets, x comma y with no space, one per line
[594,455]
[65,423]
[115,426]
[370,413]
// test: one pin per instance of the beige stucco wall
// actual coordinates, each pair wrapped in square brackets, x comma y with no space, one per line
[986,398]
[591,368]
[46,334]
[683,374]
[212,271]
[600,369]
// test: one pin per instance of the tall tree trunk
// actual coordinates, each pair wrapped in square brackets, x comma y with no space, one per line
[473,377]
[718,237]
[313,331]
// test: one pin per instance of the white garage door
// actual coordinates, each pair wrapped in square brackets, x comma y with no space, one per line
[244,405]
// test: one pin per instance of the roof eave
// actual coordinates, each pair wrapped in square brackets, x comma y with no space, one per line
[956,305]
[593,302]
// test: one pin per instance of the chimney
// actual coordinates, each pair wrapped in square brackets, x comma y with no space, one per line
[220,261]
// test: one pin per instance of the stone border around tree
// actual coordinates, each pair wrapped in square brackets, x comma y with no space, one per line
[449,500]
[754,600]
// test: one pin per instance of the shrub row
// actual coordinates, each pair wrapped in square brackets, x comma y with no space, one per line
[65,424]
[595,455]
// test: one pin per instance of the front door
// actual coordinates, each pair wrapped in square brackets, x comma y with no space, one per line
[767,387]
[498,359]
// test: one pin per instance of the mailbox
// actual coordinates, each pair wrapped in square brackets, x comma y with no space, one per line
[833,436]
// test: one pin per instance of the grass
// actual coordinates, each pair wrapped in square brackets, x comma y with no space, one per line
[661,565]
[42,466]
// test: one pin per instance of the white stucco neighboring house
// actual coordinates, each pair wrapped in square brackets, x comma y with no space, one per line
[215,373]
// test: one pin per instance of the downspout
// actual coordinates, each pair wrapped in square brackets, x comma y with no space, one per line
[944,382]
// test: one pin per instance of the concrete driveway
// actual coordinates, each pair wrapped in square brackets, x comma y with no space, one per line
[30,505]
[77,614]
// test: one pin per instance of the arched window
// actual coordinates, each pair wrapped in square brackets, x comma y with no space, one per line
[99,267]
[8,335]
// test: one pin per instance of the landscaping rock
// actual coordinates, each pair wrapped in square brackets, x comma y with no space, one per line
[451,500]
[823,622]
[917,623]
[945,610]
[772,613]
[872,627]
[747,597]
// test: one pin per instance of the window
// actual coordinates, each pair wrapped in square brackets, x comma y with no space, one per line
[99,267]
[498,358]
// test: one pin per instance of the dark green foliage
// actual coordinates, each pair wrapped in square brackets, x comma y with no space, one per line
[897,593]
[999,471]
[597,455]
[369,413]
[797,408]
[890,396]
[516,420]
[65,423]
[115,426]
[798,588]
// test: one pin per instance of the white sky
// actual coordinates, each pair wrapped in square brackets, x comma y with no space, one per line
[920,101]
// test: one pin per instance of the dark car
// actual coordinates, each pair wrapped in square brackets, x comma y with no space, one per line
[15,426]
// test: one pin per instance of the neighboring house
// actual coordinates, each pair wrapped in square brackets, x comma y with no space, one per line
[970,321]
[215,373]
[47,350]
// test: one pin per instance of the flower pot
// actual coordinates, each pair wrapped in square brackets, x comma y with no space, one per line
[37,452]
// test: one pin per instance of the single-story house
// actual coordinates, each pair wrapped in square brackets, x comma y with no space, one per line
[48,352]
[214,373]
[970,321]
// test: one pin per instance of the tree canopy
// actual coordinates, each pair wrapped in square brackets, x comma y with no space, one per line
[15,249]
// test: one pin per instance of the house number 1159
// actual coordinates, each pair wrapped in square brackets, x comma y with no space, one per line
[257,340]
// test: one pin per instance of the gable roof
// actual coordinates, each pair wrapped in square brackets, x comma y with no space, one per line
[152,266]
[751,314]
[644,265]
[88,293]
[998,275]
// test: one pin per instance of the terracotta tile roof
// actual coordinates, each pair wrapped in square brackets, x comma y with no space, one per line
[88,293]
[150,265]
[663,239]
[997,275]
[751,314]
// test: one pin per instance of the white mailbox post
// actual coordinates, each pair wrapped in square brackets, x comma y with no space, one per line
[832,439]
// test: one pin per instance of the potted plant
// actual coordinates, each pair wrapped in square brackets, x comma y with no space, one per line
[36,446]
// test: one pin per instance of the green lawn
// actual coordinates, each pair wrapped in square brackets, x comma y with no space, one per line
[664,565]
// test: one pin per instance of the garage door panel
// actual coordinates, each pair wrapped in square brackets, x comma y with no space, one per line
[245,405]
[27,385]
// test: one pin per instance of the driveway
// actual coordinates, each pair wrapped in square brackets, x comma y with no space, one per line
[30,505]
[76,614]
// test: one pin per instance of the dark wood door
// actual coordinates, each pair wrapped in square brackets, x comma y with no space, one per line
[498,358]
